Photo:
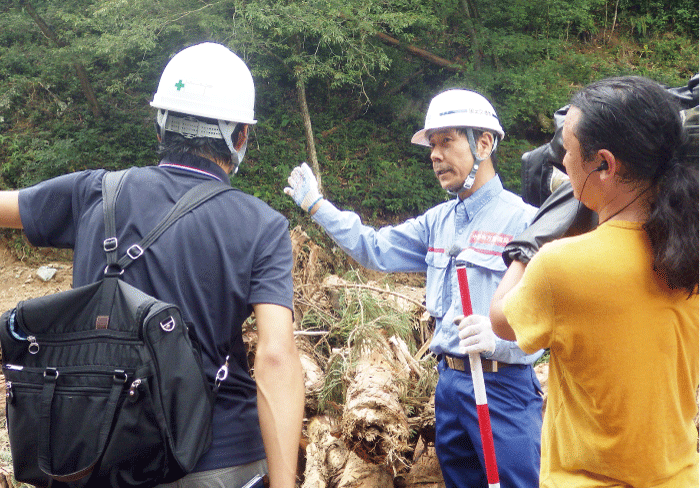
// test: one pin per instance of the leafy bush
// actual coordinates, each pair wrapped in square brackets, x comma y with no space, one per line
[366,97]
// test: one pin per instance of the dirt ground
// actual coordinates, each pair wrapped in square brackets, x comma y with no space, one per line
[19,281]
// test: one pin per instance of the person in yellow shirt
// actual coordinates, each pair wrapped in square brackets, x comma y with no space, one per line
[618,306]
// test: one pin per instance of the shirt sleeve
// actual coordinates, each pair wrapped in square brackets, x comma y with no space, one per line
[400,248]
[529,307]
[50,210]
[271,275]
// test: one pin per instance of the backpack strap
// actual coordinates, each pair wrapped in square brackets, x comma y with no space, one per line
[112,183]
[188,202]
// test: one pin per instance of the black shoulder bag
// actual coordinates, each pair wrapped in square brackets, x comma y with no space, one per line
[105,387]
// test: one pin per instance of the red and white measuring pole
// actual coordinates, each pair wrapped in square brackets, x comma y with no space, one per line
[482,408]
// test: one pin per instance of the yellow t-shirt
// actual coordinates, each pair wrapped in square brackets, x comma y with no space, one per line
[624,362]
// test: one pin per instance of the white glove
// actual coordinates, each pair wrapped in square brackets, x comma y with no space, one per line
[303,187]
[476,334]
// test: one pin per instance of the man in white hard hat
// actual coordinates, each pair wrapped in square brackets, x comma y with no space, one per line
[228,257]
[463,131]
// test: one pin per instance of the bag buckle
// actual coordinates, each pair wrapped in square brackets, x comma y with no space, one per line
[110,244]
[113,270]
[134,251]
[120,376]
[168,324]
[222,374]
[51,374]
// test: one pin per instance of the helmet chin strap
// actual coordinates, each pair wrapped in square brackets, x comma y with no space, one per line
[162,118]
[237,157]
[196,128]
[471,177]
[227,129]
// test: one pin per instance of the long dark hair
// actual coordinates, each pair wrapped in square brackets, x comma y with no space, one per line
[639,122]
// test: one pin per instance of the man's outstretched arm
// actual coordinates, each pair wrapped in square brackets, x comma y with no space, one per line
[9,210]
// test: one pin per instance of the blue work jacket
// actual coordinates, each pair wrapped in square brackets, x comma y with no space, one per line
[482,224]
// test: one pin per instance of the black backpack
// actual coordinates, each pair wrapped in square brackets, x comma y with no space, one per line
[105,386]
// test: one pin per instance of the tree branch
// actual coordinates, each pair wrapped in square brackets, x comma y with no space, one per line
[308,130]
[421,53]
[380,290]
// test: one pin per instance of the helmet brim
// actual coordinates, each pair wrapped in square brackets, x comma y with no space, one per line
[422,137]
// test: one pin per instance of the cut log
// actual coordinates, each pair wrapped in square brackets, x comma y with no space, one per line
[425,469]
[313,374]
[326,455]
[374,423]
[361,474]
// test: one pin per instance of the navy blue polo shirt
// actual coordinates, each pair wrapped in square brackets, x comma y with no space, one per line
[215,263]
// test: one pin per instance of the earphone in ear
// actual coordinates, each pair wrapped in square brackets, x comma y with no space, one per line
[603,166]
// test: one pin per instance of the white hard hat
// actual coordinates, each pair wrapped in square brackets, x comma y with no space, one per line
[458,108]
[207,80]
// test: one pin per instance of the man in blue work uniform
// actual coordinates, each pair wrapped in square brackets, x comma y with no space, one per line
[462,130]
[228,257]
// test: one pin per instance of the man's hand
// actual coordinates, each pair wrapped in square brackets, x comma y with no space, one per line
[475,334]
[303,187]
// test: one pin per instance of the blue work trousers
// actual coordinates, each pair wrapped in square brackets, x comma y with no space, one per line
[515,407]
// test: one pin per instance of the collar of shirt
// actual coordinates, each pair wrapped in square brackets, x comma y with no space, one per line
[196,164]
[475,202]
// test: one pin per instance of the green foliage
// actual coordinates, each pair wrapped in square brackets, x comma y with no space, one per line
[71,145]
[509,153]
[649,17]
[371,170]
[366,97]
[361,320]
[363,166]
[361,317]
[332,41]
[333,390]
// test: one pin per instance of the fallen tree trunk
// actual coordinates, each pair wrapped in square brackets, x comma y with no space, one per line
[313,374]
[425,469]
[421,53]
[361,474]
[326,455]
[374,423]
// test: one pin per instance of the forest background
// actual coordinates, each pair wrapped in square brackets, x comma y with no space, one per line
[342,84]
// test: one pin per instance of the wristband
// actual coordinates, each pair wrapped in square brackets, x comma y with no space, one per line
[313,204]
